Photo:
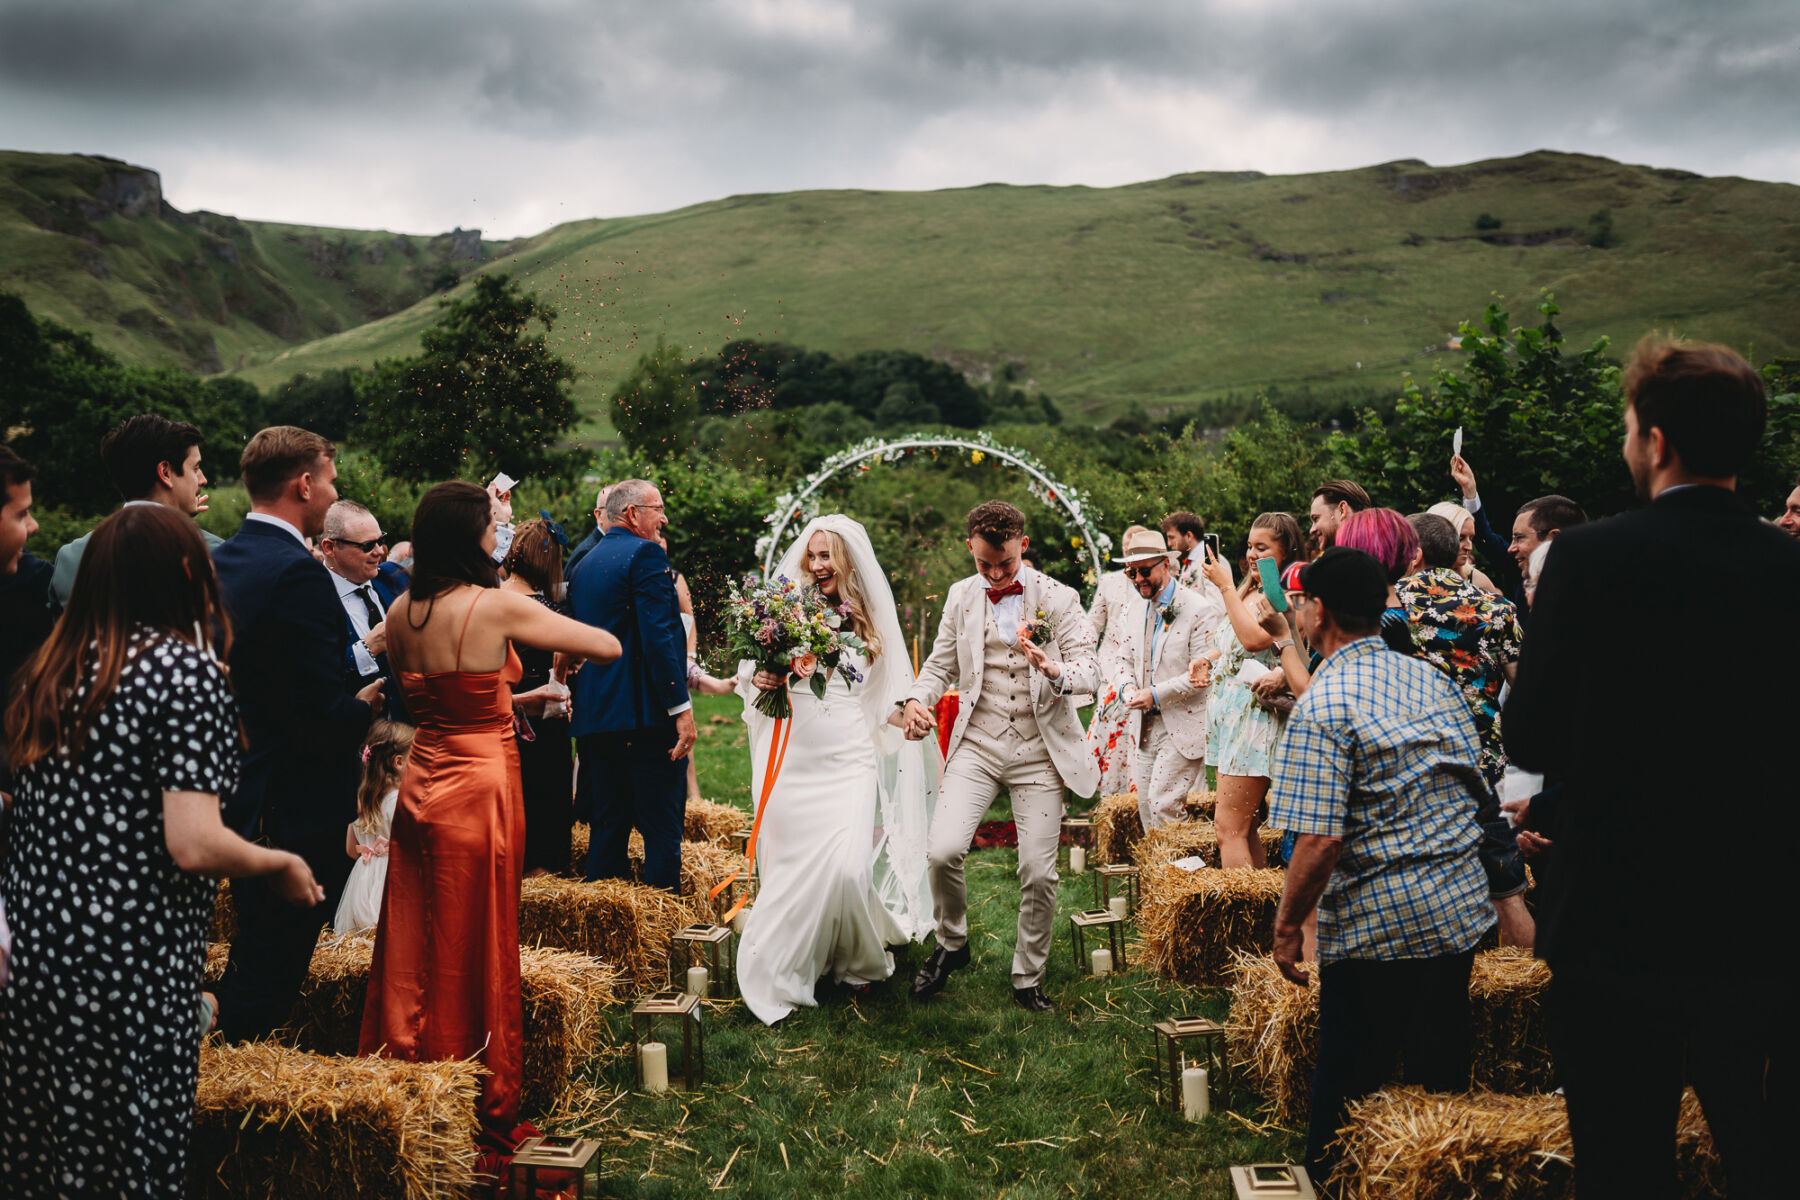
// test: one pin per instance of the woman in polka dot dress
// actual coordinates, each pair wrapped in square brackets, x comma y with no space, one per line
[123,735]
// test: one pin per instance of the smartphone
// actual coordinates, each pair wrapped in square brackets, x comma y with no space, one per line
[1270,575]
[1211,541]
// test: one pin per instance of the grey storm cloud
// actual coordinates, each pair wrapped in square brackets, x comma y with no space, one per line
[733,95]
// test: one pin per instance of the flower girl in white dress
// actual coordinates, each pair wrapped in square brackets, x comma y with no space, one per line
[384,762]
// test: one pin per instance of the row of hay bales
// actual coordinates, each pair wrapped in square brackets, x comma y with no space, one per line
[1118,829]
[303,1117]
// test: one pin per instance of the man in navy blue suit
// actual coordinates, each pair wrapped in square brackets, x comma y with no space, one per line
[305,727]
[353,547]
[633,719]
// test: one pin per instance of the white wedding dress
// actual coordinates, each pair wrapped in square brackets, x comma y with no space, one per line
[841,852]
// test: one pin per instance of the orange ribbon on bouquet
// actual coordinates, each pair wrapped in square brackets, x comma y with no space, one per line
[778,744]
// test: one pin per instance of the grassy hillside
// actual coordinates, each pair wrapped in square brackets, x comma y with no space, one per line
[1159,293]
[92,243]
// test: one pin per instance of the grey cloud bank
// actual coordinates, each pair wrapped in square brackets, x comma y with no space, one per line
[419,116]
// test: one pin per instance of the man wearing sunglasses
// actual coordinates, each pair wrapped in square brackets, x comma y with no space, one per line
[355,551]
[1170,625]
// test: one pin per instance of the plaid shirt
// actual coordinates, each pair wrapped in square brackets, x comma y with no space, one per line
[1381,753]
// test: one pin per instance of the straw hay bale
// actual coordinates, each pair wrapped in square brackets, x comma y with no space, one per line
[271,1120]
[1273,1033]
[1201,804]
[703,864]
[1116,827]
[1184,839]
[705,821]
[626,924]
[224,915]
[1193,922]
[563,994]
[1416,1145]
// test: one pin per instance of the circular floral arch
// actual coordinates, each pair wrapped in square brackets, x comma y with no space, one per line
[802,503]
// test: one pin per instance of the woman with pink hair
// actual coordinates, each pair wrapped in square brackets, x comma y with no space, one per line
[1389,538]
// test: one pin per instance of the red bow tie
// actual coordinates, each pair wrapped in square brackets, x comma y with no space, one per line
[996,595]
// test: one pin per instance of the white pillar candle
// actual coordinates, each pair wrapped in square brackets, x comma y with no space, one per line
[738,922]
[1196,1103]
[696,981]
[1121,908]
[1077,859]
[655,1059]
[1102,961]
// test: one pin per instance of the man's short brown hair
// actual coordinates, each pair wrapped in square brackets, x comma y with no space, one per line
[1342,491]
[1710,404]
[996,522]
[1184,522]
[277,454]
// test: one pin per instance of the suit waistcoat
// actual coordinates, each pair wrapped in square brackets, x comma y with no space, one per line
[1004,706]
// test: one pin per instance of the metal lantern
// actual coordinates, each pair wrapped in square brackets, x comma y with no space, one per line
[744,884]
[1272,1181]
[1100,923]
[659,1012]
[1076,831]
[740,842]
[1189,1042]
[544,1164]
[1116,879]
[706,946]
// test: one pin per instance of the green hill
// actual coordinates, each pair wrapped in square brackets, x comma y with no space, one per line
[1158,293]
[92,243]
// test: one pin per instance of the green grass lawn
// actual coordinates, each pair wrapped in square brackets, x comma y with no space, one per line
[966,1095]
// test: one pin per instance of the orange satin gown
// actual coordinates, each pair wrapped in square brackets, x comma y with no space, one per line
[445,980]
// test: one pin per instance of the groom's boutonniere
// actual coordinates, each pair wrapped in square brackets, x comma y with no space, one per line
[1168,612]
[1039,630]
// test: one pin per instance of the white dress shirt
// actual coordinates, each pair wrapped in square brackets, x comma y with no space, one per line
[359,619]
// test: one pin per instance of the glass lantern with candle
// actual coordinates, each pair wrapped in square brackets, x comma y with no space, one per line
[550,1164]
[668,1014]
[703,954]
[1271,1181]
[1115,880]
[1098,925]
[1187,1042]
[1077,835]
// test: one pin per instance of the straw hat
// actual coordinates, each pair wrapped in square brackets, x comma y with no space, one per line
[1144,545]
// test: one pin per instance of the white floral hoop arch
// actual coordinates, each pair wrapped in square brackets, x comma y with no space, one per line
[802,504]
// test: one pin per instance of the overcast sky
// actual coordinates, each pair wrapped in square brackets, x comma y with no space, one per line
[512,115]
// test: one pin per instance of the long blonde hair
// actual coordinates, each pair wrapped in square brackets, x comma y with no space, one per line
[384,761]
[849,591]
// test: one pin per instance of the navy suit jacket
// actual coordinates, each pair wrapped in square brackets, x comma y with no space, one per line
[625,587]
[389,582]
[305,724]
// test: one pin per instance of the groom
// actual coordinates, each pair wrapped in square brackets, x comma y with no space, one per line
[1015,728]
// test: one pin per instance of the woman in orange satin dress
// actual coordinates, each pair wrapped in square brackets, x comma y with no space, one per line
[445,980]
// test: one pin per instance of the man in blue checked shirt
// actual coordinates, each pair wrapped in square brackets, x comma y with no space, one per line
[1379,773]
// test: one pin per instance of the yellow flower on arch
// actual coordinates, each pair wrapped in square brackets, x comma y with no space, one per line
[975,456]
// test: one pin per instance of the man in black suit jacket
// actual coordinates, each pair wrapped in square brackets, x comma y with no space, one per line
[305,728]
[1656,683]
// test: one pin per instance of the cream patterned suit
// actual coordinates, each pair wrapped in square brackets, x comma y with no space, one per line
[1171,740]
[1017,729]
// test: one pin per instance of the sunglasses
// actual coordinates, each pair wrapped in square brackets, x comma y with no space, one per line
[367,547]
[1140,572]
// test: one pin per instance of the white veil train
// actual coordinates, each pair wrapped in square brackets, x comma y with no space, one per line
[907,772]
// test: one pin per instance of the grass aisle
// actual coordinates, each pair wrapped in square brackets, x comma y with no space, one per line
[965,1095]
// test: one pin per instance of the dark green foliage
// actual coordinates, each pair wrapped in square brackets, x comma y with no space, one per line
[486,393]
[1535,421]
[1487,221]
[1600,230]
[654,407]
[1775,470]
[447,277]
[327,403]
[891,388]
[62,394]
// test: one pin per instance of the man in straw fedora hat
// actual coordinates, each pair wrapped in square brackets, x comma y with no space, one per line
[1169,626]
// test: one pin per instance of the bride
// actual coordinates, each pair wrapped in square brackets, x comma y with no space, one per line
[841,853]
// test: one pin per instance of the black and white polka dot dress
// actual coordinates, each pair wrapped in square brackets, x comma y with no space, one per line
[99,1022]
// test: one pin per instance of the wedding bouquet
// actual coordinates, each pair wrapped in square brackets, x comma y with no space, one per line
[789,630]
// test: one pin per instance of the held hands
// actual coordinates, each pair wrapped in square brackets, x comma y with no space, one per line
[1142,699]
[1200,670]
[918,721]
[294,882]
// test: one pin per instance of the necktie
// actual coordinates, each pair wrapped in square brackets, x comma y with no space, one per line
[996,595]
[368,598]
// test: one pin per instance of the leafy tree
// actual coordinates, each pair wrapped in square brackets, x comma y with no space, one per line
[328,403]
[485,394]
[1487,221]
[904,405]
[1535,420]
[1600,229]
[654,407]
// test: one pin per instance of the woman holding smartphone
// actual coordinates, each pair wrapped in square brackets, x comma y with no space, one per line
[1241,731]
